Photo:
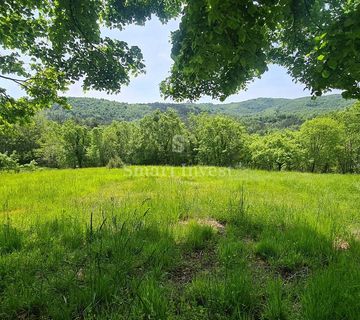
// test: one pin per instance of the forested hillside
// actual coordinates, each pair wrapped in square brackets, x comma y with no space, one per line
[258,114]
[328,143]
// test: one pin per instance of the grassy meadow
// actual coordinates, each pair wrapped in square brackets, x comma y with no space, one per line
[179,243]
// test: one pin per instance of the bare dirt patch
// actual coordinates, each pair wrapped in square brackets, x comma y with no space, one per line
[290,274]
[216,225]
[341,244]
[193,263]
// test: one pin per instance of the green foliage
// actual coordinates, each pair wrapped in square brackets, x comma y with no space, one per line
[219,48]
[258,114]
[320,45]
[221,141]
[32,166]
[115,162]
[321,139]
[276,151]
[349,156]
[9,162]
[162,138]
[323,144]
[119,140]
[24,139]
[51,151]
[76,140]
[93,112]
[222,45]
[95,151]
[41,89]
[64,43]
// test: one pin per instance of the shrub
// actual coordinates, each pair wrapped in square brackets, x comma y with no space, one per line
[9,162]
[115,162]
[32,166]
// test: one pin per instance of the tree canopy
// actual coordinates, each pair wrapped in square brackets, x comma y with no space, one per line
[222,45]
[219,48]
[47,45]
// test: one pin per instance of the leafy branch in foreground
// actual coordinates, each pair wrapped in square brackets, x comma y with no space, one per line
[223,45]
[219,48]
[47,45]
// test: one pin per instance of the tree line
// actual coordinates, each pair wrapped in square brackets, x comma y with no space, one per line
[323,144]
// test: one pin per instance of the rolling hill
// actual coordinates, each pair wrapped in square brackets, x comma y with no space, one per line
[257,113]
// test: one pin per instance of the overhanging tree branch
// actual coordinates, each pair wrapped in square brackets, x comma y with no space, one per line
[18,81]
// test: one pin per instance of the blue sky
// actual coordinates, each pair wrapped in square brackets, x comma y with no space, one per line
[154,41]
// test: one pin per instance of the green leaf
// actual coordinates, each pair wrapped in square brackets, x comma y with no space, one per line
[325,74]
[332,63]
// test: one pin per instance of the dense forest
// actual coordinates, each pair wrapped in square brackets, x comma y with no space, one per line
[258,115]
[326,143]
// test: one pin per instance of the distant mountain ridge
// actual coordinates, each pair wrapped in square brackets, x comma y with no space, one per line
[101,111]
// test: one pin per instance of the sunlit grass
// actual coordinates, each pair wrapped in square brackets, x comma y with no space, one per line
[179,243]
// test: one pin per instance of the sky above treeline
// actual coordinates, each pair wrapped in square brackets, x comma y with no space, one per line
[154,41]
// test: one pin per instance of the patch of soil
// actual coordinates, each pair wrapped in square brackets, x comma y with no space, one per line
[261,267]
[289,274]
[193,263]
[249,241]
[34,312]
[341,244]
[196,261]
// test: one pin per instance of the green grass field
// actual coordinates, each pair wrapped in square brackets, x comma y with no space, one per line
[175,243]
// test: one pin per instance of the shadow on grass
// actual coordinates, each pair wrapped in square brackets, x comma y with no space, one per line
[134,269]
